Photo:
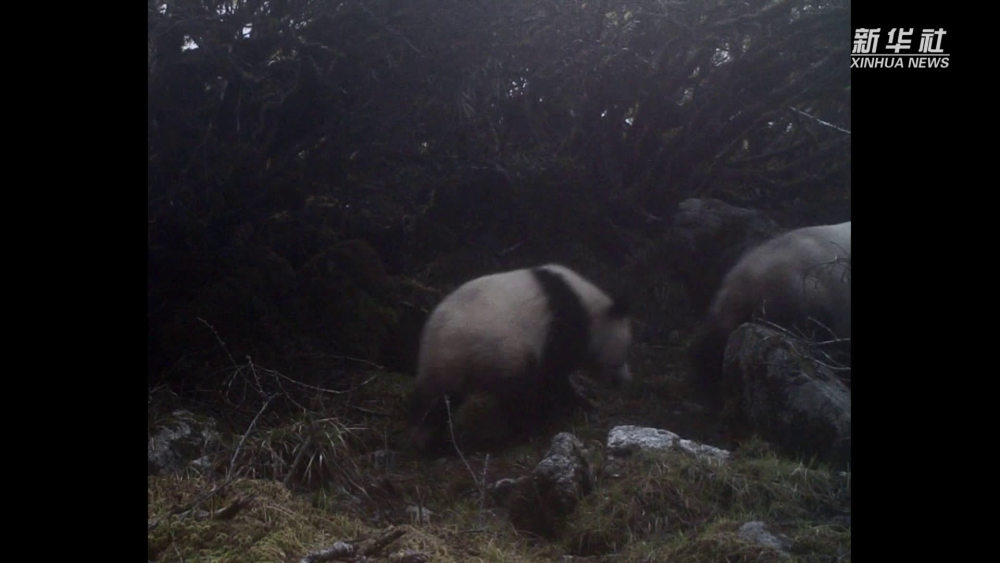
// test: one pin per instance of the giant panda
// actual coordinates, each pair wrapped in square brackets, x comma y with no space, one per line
[515,336]
[800,280]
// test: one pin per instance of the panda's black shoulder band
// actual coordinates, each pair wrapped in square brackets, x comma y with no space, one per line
[569,330]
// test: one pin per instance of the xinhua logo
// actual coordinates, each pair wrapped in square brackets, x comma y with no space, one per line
[900,47]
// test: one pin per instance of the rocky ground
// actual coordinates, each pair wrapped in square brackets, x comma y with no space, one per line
[276,471]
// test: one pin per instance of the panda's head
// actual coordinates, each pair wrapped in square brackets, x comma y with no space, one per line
[611,338]
[608,332]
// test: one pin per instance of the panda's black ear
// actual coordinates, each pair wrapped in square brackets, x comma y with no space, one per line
[620,308]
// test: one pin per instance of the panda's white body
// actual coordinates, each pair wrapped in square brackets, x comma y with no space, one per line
[800,280]
[516,335]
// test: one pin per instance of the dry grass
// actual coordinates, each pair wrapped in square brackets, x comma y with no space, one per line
[666,506]
[671,505]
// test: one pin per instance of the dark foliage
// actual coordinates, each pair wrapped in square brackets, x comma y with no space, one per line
[313,166]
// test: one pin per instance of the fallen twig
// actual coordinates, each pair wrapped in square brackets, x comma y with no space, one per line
[820,121]
[480,485]
[340,550]
[348,550]
[228,512]
[232,461]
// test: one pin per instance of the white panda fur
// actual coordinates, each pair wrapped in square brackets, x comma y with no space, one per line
[803,274]
[516,335]
[800,279]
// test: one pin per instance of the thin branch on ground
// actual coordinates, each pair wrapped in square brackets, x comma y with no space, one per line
[355,550]
[232,461]
[480,484]
[820,121]
[454,442]
[818,355]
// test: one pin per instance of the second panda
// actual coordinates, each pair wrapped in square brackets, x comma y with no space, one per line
[801,279]
[516,336]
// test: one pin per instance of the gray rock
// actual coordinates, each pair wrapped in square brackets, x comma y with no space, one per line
[181,440]
[563,475]
[702,450]
[540,503]
[787,395]
[625,440]
[704,228]
[757,532]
